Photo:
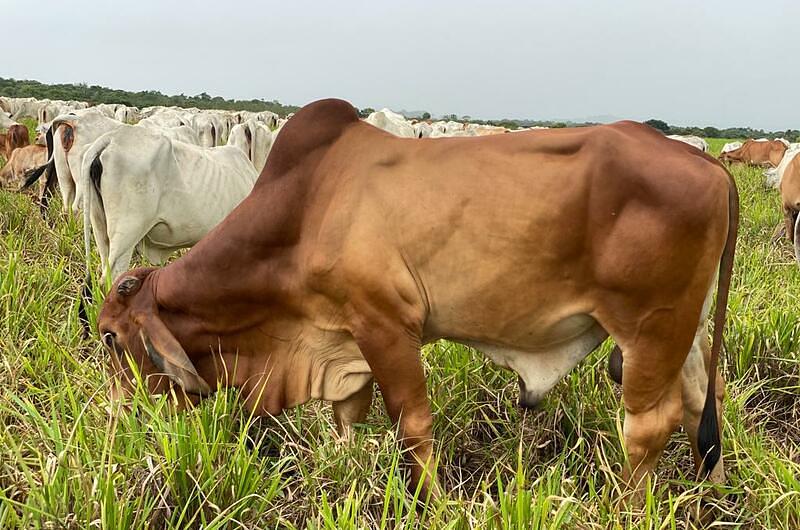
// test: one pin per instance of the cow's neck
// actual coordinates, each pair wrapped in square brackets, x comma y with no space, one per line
[241,290]
[234,275]
[276,365]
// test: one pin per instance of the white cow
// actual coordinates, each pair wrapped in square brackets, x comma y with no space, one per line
[52,108]
[453,126]
[774,176]
[168,118]
[453,134]
[439,129]
[391,122]
[126,114]
[24,108]
[141,188]
[422,129]
[182,133]
[731,146]
[224,121]
[254,139]
[270,119]
[485,130]
[6,121]
[71,135]
[109,110]
[207,128]
[11,105]
[694,141]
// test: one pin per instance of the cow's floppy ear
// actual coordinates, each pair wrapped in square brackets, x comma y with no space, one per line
[128,285]
[169,356]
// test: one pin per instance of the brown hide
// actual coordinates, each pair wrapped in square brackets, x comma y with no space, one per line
[17,136]
[356,247]
[765,153]
[22,160]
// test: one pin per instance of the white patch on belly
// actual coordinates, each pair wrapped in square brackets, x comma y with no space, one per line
[542,368]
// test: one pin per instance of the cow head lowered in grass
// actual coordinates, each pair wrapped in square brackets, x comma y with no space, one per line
[131,329]
[356,247]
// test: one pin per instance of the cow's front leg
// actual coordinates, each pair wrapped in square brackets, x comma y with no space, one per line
[352,410]
[397,368]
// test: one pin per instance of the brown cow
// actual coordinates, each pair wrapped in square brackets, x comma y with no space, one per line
[16,136]
[22,160]
[758,153]
[790,197]
[356,247]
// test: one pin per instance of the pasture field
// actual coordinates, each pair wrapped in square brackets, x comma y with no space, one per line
[66,463]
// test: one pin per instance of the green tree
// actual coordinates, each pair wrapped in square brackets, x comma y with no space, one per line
[96,94]
[658,124]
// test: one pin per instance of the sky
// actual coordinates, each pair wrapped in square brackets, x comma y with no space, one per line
[718,63]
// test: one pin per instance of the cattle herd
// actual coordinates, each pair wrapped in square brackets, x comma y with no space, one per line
[325,252]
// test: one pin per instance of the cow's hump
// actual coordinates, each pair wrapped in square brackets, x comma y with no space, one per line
[316,125]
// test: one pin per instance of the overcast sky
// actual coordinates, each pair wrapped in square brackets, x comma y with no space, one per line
[721,63]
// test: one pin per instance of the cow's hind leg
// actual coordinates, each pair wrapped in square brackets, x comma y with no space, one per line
[352,410]
[649,422]
[124,235]
[655,351]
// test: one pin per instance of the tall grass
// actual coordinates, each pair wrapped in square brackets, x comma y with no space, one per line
[66,463]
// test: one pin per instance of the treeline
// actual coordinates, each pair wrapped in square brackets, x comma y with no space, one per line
[792,135]
[95,94]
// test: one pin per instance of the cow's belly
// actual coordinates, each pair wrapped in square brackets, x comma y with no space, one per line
[541,365]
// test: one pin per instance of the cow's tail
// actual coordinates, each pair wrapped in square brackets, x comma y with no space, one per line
[91,173]
[32,176]
[708,435]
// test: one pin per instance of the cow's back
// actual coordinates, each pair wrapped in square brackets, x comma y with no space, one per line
[511,216]
[314,128]
[504,215]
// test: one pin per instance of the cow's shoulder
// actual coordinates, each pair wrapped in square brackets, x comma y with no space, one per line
[315,126]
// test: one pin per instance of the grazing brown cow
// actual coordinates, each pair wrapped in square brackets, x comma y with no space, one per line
[758,153]
[356,247]
[22,160]
[16,136]
[790,197]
